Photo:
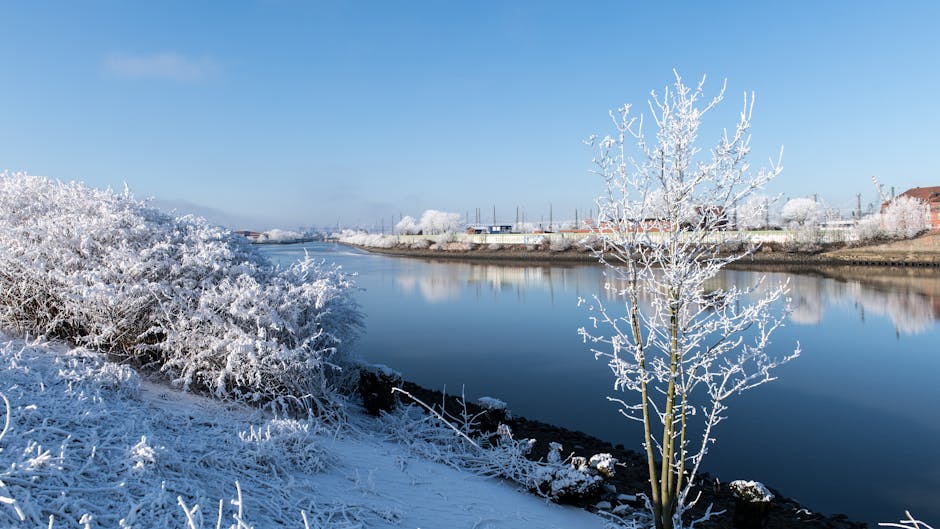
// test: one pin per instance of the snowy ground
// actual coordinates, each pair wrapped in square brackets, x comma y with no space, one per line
[88,444]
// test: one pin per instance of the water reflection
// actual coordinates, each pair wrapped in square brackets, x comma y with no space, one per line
[910,299]
[437,281]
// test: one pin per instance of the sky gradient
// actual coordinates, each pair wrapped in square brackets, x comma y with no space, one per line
[280,114]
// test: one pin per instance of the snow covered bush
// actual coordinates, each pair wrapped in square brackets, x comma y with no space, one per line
[435,222]
[754,213]
[802,212]
[407,226]
[905,217]
[455,441]
[369,240]
[280,236]
[191,301]
[559,244]
[869,228]
[287,444]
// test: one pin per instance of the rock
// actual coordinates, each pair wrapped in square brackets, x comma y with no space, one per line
[603,506]
[375,386]
[495,412]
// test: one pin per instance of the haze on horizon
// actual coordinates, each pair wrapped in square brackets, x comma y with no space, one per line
[282,114]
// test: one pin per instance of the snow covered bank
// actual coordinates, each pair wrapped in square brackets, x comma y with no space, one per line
[88,444]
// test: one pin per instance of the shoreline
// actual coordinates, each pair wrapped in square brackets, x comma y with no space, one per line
[922,252]
[631,473]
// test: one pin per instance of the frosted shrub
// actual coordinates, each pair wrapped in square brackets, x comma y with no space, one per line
[802,212]
[420,244]
[286,445]
[407,226]
[906,217]
[591,243]
[435,222]
[174,295]
[369,240]
[869,228]
[559,244]
[453,440]
[280,236]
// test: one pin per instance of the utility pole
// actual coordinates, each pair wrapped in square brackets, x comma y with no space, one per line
[494,215]
[858,206]
[549,216]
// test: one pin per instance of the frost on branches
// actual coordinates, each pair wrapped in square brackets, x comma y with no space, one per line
[802,213]
[679,350]
[905,217]
[175,295]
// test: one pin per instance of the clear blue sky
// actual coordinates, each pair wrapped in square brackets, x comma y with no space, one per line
[280,113]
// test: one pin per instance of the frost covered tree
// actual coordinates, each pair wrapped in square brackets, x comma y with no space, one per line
[407,226]
[679,351]
[754,213]
[435,222]
[802,213]
[905,217]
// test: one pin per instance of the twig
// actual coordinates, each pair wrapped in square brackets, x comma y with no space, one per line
[440,417]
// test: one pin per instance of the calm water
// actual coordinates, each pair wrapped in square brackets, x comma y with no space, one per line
[852,426]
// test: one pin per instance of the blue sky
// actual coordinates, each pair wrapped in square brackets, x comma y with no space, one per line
[279,113]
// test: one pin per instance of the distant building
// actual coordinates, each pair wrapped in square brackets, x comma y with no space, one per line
[492,228]
[930,196]
[250,235]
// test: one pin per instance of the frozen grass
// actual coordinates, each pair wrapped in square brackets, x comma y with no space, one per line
[87,443]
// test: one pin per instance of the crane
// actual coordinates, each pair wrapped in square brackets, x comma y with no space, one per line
[881,193]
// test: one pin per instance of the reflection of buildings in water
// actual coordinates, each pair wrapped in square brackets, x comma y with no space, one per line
[911,312]
[437,281]
[507,276]
[437,284]
[805,299]
[911,301]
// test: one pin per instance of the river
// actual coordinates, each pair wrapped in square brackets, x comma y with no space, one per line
[851,426]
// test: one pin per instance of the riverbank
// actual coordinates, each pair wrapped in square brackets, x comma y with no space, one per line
[631,474]
[923,251]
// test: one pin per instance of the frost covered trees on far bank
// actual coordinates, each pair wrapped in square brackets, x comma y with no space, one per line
[433,222]
[175,295]
[802,213]
[678,349]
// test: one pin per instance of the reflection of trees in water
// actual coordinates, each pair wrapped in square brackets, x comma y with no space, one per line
[910,301]
[435,282]
[442,281]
